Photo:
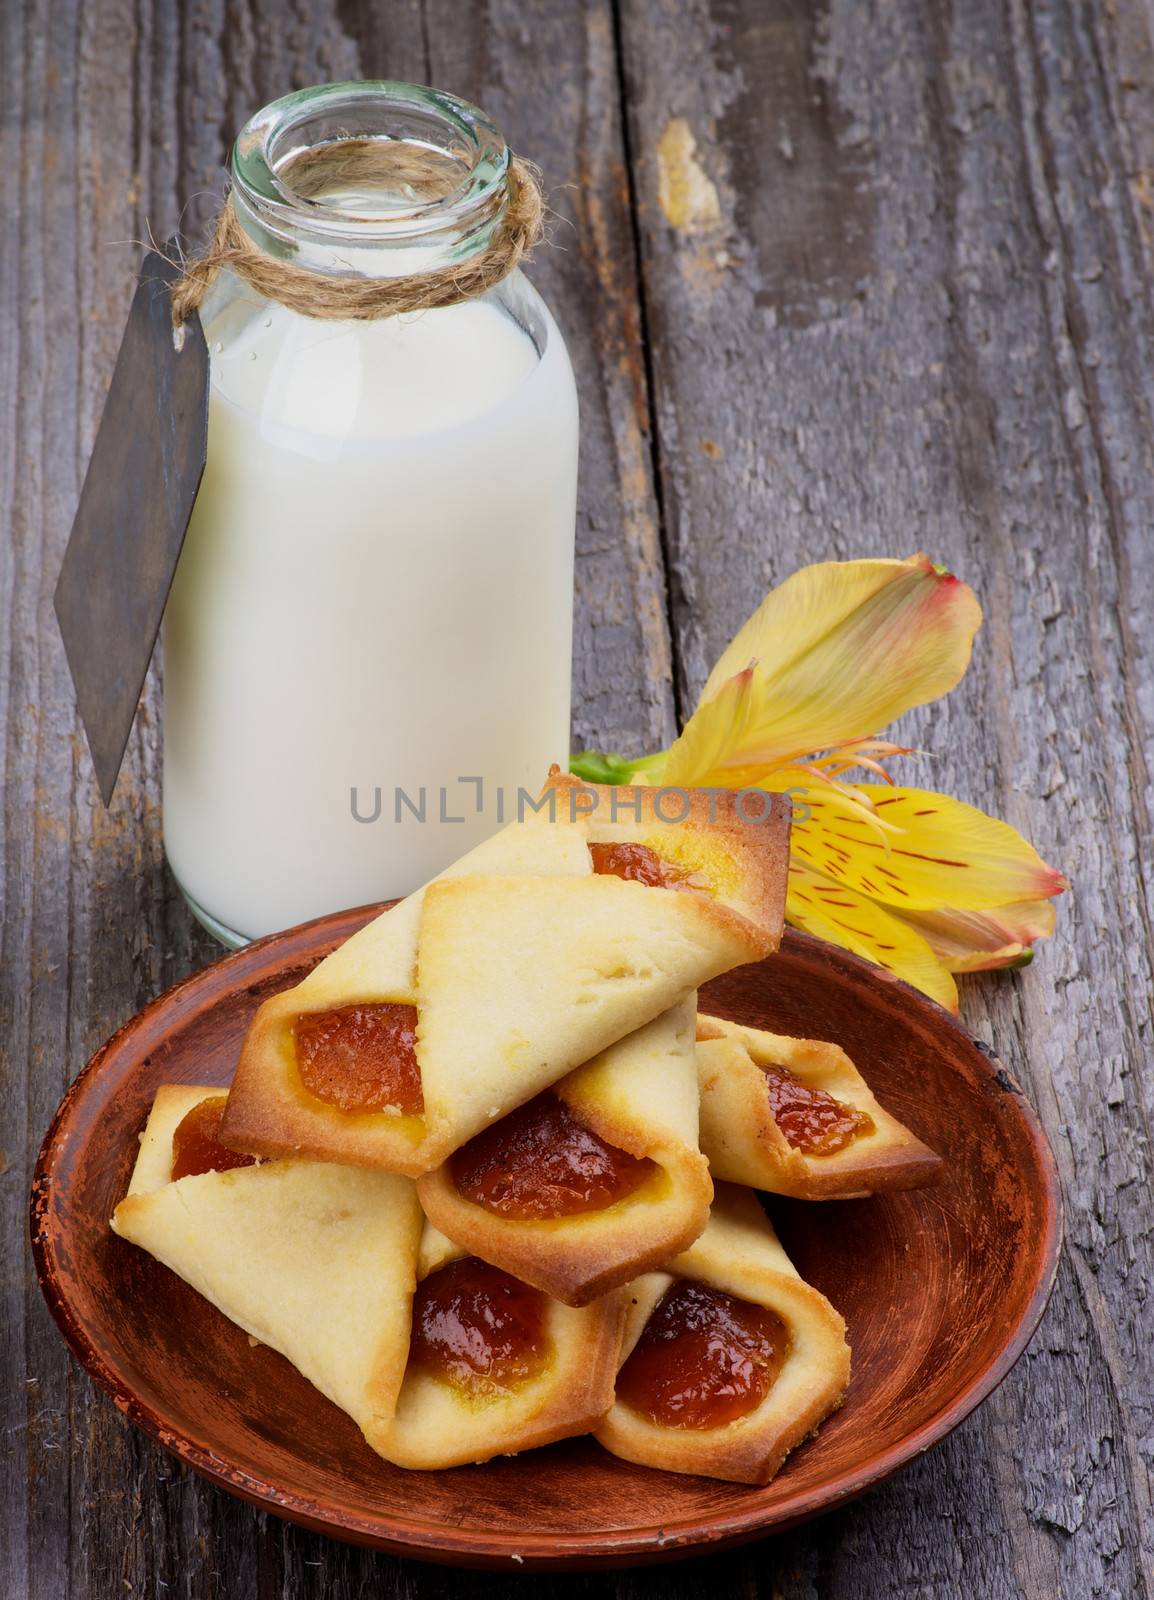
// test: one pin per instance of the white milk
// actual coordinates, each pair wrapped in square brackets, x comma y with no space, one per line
[375,593]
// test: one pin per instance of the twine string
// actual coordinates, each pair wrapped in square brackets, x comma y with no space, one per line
[317,294]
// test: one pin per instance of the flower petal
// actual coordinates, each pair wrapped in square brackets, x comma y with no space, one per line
[837,651]
[929,850]
[710,735]
[820,906]
[976,941]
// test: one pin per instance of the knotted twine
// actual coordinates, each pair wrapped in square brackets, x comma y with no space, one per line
[356,299]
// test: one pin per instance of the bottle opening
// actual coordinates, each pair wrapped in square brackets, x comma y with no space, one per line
[377,163]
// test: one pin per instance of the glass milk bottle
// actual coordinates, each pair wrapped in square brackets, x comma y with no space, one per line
[367,644]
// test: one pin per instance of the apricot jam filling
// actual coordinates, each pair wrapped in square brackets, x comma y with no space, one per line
[704,1358]
[636,863]
[478,1329]
[361,1057]
[812,1120]
[196,1145]
[541,1162]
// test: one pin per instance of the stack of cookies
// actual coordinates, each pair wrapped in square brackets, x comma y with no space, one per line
[486,1176]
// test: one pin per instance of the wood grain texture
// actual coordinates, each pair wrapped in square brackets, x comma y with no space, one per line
[904,302]
[965,370]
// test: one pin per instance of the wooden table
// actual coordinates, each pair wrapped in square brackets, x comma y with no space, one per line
[839,279]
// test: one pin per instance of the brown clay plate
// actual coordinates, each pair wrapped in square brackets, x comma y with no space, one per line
[941,1288]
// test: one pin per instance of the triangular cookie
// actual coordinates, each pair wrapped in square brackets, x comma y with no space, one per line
[730,844]
[313,1259]
[829,1139]
[567,1358]
[698,1332]
[269,1109]
[640,1097]
[521,980]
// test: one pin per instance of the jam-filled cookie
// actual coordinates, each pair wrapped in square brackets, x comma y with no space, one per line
[494,1365]
[729,1360]
[593,1181]
[730,846]
[796,1117]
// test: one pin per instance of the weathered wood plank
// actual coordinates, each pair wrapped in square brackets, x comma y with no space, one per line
[117,124]
[898,286]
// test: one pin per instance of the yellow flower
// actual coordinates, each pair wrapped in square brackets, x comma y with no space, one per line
[910,879]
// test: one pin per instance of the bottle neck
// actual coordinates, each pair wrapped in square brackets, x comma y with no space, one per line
[374,179]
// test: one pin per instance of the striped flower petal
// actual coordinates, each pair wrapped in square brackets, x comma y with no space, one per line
[820,906]
[935,851]
[913,848]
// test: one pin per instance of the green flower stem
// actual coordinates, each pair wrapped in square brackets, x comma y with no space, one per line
[595,766]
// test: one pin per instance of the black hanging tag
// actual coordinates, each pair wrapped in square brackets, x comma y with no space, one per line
[134,509]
